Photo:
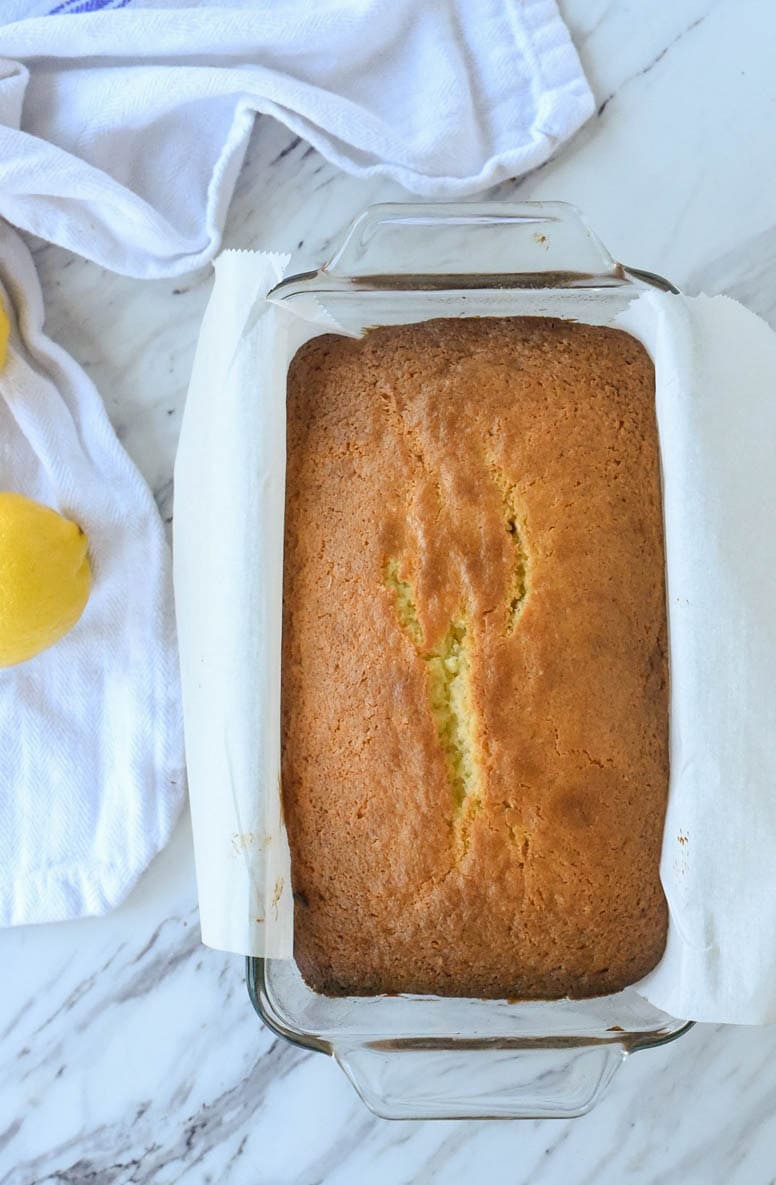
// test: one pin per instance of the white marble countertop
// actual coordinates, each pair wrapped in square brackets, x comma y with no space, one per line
[129,1052]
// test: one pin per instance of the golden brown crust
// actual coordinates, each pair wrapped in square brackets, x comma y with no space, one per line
[474,690]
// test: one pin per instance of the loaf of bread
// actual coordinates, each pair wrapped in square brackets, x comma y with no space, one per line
[474,695]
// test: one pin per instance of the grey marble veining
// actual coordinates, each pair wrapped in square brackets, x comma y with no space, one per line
[128,1052]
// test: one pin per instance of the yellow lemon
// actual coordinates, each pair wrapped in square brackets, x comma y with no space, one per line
[5,329]
[45,577]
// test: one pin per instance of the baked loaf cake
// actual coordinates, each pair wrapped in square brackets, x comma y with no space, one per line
[474,700]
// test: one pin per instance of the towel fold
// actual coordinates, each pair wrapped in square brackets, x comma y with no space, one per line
[91,750]
[122,132]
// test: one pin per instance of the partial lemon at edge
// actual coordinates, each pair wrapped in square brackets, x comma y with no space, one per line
[45,577]
[5,329]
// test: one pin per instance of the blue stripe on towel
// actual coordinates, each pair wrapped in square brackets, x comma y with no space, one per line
[87,6]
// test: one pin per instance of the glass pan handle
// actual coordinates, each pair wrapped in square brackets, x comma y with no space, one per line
[410,1081]
[505,238]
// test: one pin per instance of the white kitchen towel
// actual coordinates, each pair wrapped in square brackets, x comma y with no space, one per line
[91,750]
[122,131]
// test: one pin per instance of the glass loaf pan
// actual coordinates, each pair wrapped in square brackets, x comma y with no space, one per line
[424,1056]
